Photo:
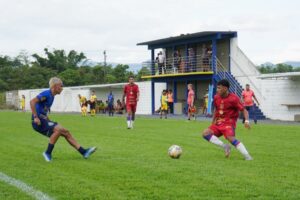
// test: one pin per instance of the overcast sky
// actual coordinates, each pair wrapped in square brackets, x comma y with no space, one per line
[268,30]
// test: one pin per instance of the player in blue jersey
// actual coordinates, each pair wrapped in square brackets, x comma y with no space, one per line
[40,106]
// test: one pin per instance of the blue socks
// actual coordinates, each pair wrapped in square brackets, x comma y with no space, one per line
[50,148]
[235,142]
[207,137]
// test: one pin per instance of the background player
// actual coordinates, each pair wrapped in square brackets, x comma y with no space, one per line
[132,94]
[41,123]
[164,104]
[93,101]
[190,102]
[83,104]
[227,107]
[247,98]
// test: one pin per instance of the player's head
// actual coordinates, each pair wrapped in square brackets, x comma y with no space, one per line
[56,85]
[79,96]
[93,92]
[223,87]
[190,86]
[247,87]
[23,96]
[131,79]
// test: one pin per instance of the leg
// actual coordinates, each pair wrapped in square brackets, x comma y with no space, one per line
[253,114]
[129,116]
[239,146]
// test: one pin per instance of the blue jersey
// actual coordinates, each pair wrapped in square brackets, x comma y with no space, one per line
[45,102]
[110,99]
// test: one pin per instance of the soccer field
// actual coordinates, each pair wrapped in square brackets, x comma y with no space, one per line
[133,164]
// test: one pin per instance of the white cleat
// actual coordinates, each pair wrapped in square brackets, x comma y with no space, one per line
[227,150]
[248,157]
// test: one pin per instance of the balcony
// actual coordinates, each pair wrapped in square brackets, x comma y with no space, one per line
[177,66]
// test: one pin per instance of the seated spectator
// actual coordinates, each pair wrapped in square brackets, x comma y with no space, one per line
[119,107]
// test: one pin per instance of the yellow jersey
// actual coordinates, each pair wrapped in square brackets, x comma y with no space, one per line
[23,102]
[164,100]
[93,98]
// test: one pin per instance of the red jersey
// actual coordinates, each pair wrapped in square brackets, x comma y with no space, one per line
[227,109]
[247,96]
[131,91]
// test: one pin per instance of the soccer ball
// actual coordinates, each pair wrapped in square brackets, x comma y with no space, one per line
[175,151]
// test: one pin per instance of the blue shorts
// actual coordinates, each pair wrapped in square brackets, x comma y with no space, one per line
[45,128]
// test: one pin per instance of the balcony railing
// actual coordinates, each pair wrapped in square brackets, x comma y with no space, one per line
[177,65]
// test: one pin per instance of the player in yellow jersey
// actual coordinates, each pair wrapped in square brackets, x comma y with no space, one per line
[23,103]
[164,104]
[83,104]
[93,101]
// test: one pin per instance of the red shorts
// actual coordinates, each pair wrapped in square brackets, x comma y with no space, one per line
[131,107]
[223,129]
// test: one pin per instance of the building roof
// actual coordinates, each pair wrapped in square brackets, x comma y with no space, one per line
[192,36]
[291,75]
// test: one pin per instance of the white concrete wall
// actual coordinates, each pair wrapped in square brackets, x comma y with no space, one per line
[278,92]
[68,100]
[271,93]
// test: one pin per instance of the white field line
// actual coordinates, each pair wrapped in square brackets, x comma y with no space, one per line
[24,187]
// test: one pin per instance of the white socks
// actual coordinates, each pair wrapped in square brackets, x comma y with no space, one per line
[130,124]
[241,148]
[215,140]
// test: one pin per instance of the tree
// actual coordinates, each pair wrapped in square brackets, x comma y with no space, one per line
[58,60]
[70,77]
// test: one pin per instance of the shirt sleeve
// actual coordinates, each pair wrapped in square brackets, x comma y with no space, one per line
[125,89]
[43,95]
[238,104]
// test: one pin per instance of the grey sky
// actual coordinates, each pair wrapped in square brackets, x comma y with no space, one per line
[267,30]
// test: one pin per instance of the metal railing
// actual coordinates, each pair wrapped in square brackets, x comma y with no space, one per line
[177,65]
[223,73]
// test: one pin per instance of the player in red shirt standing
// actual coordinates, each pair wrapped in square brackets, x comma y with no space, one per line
[227,108]
[132,93]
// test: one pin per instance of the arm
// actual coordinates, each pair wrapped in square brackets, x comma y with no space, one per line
[193,97]
[33,102]
[214,118]
[138,96]
[255,99]
[246,116]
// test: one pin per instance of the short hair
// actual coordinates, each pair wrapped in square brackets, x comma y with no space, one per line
[247,84]
[190,85]
[224,83]
[130,77]
[53,81]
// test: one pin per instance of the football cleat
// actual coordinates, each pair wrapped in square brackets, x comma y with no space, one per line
[227,150]
[47,157]
[248,157]
[89,152]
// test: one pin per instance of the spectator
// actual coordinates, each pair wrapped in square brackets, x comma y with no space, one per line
[164,104]
[161,63]
[170,102]
[205,103]
[111,103]
[119,107]
[192,62]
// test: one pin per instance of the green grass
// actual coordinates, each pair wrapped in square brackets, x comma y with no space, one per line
[133,164]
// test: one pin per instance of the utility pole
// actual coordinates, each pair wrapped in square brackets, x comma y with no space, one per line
[104,54]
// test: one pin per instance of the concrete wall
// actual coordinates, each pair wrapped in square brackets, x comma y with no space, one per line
[278,92]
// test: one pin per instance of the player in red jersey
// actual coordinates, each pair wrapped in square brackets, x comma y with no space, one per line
[227,108]
[132,93]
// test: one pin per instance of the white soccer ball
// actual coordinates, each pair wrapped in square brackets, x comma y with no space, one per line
[175,151]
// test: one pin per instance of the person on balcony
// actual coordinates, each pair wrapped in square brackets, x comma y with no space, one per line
[161,63]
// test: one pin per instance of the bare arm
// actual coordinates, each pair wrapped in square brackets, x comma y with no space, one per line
[246,117]
[138,96]
[192,104]
[33,102]
[255,99]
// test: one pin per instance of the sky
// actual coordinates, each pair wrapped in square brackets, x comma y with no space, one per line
[268,30]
